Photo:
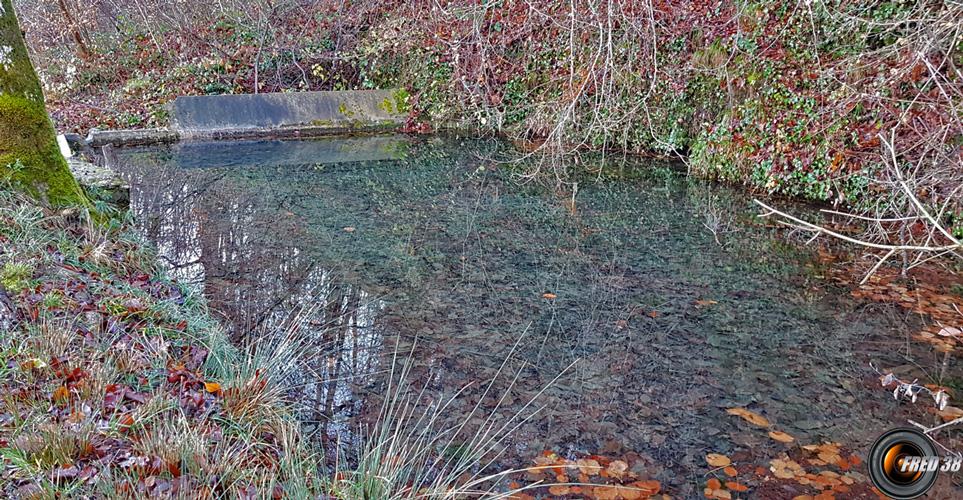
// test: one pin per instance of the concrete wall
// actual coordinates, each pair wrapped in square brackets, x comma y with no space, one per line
[226,116]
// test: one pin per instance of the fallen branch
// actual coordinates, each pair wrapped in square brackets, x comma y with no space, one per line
[929,249]
[809,226]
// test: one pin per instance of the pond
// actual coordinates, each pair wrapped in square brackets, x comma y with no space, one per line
[628,321]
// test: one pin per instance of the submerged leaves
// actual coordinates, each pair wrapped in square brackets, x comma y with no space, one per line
[782,437]
[718,460]
[749,416]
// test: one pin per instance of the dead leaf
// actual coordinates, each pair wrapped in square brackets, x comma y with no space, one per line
[649,487]
[748,416]
[212,387]
[549,296]
[617,468]
[731,471]
[559,490]
[713,483]
[785,468]
[64,472]
[722,494]
[782,437]
[629,492]
[653,314]
[705,302]
[535,471]
[60,395]
[588,466]
[349,229]
[950,332]
[605,492]
[734,486]
[717,460]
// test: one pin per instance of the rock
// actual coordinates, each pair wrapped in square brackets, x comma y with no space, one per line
[77,143]
[64,146]
[141,137]
[94,176]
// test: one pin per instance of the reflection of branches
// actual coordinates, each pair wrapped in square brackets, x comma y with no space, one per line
[714,208]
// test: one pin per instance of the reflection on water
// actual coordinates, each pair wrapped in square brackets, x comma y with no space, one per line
[428,239]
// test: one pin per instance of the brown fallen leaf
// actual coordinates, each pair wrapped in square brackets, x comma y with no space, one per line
[706,302]
[212,387]
[722,494]
[782,437]
[748,416]
[349,229]
[734,486]
[617,469]
[713,483]
[125,422]
[549,296]
[559,490]
[535,471]
[64,472]
[649,486]
[731,471]
[605,492]
[629,492]
[588,466]
[60,395]
[717,460]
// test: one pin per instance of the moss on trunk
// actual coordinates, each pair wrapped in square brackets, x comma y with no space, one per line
[29,155]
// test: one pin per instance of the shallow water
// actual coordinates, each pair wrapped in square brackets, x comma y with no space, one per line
[655,326]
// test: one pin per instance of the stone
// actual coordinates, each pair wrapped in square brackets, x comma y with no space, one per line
[77,143]
[139,137]
[90,175]
[64,146]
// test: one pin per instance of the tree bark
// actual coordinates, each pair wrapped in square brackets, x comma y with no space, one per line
[30,158]
[82,49]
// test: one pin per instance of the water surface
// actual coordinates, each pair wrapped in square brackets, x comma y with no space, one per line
[667,324]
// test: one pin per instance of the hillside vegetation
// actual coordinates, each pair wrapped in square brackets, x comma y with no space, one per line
[788,97]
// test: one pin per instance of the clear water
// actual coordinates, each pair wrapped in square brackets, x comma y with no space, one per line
[399,238]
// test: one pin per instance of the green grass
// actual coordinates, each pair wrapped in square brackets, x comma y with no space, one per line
[15,276]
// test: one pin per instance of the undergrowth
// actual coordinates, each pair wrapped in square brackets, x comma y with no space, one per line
[116,382]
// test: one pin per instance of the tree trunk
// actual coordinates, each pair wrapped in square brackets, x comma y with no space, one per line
[82,49]
[29,156]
